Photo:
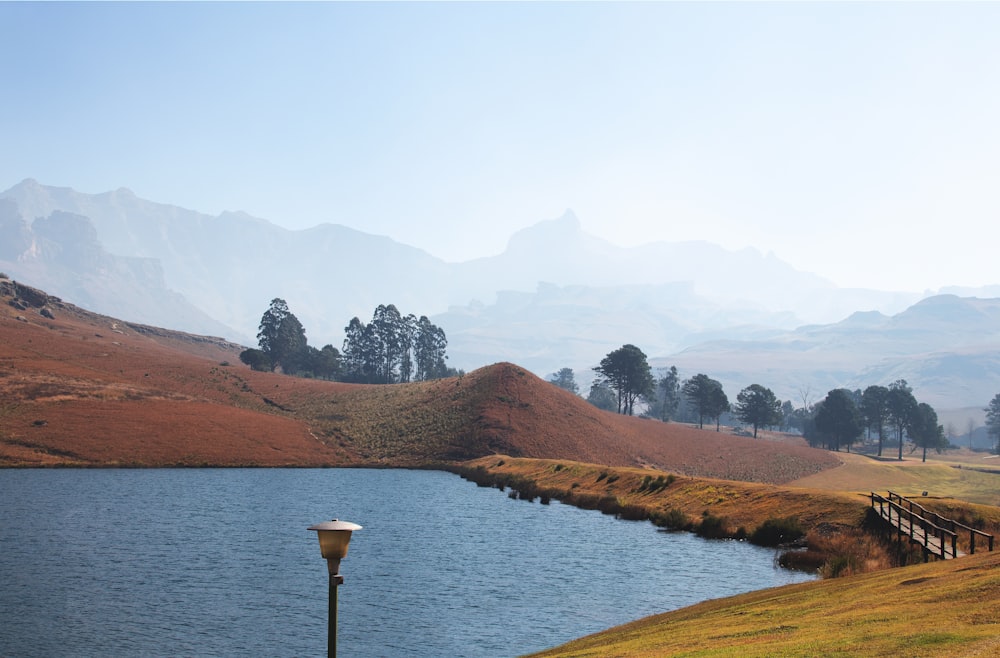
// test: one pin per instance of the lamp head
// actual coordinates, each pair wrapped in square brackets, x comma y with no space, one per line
[334,536]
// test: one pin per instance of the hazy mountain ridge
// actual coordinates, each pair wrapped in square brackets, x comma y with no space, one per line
[555,297]
[230,266]
[60,252]
[946,347]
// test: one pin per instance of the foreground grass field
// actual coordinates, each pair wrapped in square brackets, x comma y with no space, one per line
[937,609]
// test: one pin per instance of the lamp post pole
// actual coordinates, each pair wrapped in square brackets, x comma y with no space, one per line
[334,536]
[336,580]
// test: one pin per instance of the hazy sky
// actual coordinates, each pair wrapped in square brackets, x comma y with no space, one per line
[858,141]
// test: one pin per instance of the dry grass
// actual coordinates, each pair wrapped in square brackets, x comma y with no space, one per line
[741,504]
[937,609]
[60,378]
[959,475]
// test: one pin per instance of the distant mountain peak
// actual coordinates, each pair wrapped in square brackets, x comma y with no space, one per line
[548,234]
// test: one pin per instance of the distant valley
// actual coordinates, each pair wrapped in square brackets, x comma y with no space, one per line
[556,297]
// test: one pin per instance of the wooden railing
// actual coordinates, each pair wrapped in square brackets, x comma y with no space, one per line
[936,534]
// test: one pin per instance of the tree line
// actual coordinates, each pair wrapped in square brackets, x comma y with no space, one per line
[392,348]
[625,378]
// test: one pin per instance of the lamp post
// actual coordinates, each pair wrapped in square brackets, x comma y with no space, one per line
[334,536]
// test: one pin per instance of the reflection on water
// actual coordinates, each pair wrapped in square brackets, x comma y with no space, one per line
[218,562]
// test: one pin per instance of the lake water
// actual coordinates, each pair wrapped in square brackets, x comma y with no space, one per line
[218,562]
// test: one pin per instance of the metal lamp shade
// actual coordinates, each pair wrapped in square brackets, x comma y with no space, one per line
[334,536]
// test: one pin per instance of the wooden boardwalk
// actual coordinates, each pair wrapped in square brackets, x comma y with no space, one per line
[937,535]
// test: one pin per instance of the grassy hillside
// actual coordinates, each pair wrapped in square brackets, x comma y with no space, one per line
[959,474]
[84,389]
[937,609]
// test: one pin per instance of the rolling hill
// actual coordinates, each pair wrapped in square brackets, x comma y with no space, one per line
[84,389]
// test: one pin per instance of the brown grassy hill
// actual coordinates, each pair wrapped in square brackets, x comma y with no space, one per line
[78,388]
[83,389]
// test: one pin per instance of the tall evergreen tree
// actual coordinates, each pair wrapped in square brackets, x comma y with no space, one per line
[925,430]
[429,347]
[758,406]
[838,419]
[992,420]
[901,406]
[565,379]
[627,372]
[281,337]
[706,396]
[875,409]
[393,348]
[670,386]
[602,397]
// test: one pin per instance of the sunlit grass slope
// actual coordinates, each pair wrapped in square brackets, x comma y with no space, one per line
[946,608]
[963,479]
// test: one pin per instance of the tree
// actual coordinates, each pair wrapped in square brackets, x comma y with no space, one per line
[281,336]
[706,396]
[719,405]
[327,363]
[901,406]
[758,406]
[671,387]
[874,408]
[393,348]
[429,345]
[627,372]
[993,420]
[355,358]
[838,419]
[564,379]
[788,419]
[256,359]
[925,430]
[602,397]
[387,334]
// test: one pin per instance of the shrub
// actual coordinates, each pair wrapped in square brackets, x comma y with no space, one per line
[652,486]
[602,475]
[837,554]
[838,565]
[673,519]
[775,532]
[711,527]
[606,504]
[633,512]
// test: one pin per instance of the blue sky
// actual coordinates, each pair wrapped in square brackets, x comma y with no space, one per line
[858,141]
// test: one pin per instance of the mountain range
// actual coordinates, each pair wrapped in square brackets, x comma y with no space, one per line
[556,297]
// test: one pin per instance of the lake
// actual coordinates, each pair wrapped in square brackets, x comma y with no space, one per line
[218,562]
